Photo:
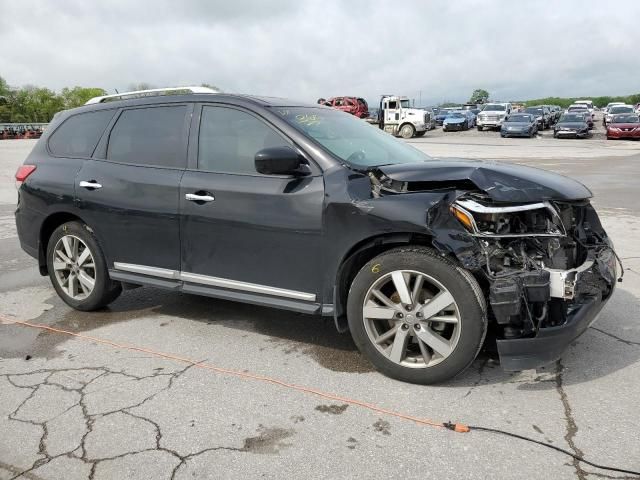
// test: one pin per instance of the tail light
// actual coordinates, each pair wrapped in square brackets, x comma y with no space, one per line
[23,172]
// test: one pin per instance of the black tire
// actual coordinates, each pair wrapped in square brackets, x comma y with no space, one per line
[480,128]
[461,284]
[104,290]
[420,134]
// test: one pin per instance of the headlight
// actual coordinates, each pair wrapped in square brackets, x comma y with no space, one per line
[522,220]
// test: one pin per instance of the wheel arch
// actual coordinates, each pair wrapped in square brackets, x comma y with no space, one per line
[49,224]
[359,255]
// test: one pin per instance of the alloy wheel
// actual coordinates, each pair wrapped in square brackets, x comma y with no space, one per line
[74,266]
[411,318]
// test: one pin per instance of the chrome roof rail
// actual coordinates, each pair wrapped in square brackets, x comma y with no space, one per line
[151,93]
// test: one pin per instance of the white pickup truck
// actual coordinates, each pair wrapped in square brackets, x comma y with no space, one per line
[493,115]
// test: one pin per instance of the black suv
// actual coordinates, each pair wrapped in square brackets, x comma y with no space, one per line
[302,207]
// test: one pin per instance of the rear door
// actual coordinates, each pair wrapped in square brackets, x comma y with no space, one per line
[243,231]
[129,193]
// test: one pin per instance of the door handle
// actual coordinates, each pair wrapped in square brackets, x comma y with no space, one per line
[90,184]
[192,197]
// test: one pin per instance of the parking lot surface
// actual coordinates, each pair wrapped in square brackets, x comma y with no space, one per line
[170,386]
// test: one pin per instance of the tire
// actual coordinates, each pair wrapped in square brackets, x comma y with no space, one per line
[465,127]
[407,131]
[480,128]
[418,362]
[78,272]
[420,134]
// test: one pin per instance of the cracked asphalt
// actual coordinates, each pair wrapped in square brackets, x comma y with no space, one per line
[113,402]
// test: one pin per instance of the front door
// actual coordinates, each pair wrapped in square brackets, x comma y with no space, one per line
[243,231]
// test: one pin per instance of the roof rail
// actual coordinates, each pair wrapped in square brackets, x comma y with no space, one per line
[150,93]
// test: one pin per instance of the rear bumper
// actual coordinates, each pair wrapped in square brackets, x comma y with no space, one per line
[549,343]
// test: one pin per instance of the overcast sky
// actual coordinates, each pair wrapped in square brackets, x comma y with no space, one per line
[310,49]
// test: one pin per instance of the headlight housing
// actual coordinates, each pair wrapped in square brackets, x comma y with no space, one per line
[483,219]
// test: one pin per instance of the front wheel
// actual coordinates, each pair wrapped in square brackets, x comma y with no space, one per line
[407,131]
[78,270]
[417,316]
[480,128]
[420,134]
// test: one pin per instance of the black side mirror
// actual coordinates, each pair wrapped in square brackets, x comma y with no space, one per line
[280,161]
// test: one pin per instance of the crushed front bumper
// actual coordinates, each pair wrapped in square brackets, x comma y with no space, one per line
[584,304]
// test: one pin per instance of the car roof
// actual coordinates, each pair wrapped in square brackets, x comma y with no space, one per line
[240,99]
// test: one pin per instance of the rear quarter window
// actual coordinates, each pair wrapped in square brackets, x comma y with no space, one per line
[79,134]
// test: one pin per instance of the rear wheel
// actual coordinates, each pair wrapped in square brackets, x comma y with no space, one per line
[407,131]
[417,316]
[78,270]
[479,128]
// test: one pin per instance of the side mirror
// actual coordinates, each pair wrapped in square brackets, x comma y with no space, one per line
[279,161]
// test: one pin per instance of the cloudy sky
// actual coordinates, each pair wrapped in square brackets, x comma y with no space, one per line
[433,50]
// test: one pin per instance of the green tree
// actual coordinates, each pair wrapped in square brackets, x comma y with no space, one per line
[77,96]
[479,96]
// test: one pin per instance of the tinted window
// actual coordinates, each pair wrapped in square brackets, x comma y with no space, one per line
[149,136]
[79,134]
[230,139]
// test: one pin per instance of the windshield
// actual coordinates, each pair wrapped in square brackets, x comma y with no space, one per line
[537,111]
[405,104]
[356,142]
[455,115]
[621,109]
[577,108]
[519,118]
[572,118]
[493,108]
[625,119]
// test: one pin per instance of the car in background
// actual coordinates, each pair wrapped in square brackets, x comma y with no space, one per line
[581,108]
[442,114]
[588,104]
[625,125]
[457,120]
[519,125]
[554,113]
[493,115]
[637,107]
[542,114]
[573,124]
[615,110]
[354,105]
[609,105]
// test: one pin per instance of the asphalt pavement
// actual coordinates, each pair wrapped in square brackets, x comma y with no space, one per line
[165,385]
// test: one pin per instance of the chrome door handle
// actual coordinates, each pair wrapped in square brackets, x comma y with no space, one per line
[91,184]
[192,197]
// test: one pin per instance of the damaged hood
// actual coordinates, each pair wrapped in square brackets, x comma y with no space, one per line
[501,181]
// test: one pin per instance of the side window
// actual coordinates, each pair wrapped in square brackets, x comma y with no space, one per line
[393,105]
[79,134]
[149,136]
[229,140]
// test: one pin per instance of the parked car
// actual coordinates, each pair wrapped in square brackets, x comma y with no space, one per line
[492,115]
[625,125]
[442,114]
[582,109]
[302,207]
[542,114]
[519,125]
[573,125]
[609,105]
[554,113]
[637,107]
[456,121]
[588,104]
[615,110]
[354,105]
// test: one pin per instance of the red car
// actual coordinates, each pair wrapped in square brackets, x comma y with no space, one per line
[353,105]
[626,125]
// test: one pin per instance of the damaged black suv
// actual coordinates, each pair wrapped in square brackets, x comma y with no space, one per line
[305,208]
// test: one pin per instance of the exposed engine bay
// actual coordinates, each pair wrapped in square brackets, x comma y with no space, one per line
[541,260]
[540,254]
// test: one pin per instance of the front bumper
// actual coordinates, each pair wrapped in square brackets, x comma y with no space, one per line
[623,134]
[585,303]
[514,133]
[572,133]
[452,126]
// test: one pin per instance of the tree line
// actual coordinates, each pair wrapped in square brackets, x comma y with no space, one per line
[30,104]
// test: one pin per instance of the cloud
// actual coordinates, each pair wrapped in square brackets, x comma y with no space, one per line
[434,50]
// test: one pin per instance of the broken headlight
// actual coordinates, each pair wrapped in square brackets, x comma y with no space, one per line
[508,220]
